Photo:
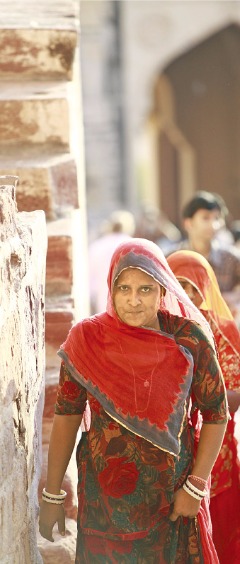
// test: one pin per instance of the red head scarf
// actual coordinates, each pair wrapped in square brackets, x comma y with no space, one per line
[194,268]
[140,376]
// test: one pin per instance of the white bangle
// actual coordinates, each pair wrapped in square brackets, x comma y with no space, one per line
[190,492]
[62,494]
[202,493]
[54,498]
[55,501]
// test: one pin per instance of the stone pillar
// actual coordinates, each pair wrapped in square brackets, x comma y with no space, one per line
[41,141]
[22,361]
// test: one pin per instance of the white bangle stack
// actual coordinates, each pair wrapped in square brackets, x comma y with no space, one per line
[193,491]
[58,499]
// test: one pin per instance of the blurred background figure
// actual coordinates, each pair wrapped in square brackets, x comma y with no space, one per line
[154,225]
[119,227]
[204,222]
[235,229]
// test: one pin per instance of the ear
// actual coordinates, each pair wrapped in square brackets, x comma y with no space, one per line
[187,222]
[163,292]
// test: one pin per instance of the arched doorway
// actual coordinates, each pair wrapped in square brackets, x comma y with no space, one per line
[204,86]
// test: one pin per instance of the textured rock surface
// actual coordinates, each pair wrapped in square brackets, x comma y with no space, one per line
[41,142]
[22,360]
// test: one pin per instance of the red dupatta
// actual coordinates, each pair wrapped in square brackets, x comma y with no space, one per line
[140,376]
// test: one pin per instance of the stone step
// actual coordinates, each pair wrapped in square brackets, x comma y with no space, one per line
[44,14]
[47,182]
[34,113]
[42,54]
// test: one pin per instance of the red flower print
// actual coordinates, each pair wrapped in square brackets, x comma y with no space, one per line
[95,405]
[70,390]
[118,478]
[98,545]
[112,426]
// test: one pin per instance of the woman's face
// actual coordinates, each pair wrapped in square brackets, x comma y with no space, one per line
[136,298]
[191,291]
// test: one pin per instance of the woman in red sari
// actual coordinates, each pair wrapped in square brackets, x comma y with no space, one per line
[199,281]
[142,495]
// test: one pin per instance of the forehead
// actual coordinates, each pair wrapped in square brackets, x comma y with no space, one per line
[199,214]
[186,282]
[135,276]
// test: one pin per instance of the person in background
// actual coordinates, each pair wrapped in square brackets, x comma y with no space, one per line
[153,224]
[199,282]
[142,490]
[203,218]
[235,229]
[118,228]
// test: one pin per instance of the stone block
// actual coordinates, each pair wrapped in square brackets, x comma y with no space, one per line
[22,258]
[46,182]
[59,275]
[33,114]
[58,324]
[37,53]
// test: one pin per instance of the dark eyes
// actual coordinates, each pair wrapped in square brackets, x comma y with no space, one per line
[143,289]
[185,286]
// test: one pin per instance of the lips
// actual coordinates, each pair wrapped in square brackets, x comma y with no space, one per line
[134,312]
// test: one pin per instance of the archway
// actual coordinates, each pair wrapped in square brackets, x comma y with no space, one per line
[204,90]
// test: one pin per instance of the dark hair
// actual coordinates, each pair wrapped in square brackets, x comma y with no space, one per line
[204,201]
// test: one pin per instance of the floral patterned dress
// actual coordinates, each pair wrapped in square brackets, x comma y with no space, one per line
[225,476]
[126,484]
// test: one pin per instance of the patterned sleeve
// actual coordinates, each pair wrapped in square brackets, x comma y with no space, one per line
[71,396]
[208,385]
[229,362]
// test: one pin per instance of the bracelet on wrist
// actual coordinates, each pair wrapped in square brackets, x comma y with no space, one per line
[199,480]
[202,493]
[58,499]
[193,491]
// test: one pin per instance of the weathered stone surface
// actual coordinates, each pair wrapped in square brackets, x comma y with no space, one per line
[30,115]
[47,182]
[63,175]
[22,261]
[58,324]
[38,53]
[31,14]
[59,265]
[37,102]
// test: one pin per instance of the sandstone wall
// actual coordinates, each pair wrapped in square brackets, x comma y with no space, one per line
[23,244]
[41,141]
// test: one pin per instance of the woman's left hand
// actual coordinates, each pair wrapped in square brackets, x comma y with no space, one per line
[185,505]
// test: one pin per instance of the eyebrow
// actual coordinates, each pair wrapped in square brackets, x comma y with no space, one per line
[140,286]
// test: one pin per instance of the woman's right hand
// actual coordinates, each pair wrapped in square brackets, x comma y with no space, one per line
[50,514]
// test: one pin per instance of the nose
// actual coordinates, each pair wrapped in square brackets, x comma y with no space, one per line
[189,291]
[134,298]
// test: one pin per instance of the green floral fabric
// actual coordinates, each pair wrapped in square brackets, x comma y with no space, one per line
[126,484]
